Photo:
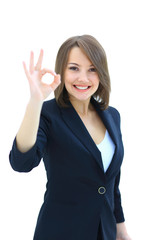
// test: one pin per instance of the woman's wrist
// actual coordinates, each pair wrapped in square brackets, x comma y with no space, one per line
[35,103]
[122,232]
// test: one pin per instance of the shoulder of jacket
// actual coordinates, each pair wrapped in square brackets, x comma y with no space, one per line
[50,105]
[50,109]
[114,112]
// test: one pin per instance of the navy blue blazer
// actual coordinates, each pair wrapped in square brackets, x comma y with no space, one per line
[79,194]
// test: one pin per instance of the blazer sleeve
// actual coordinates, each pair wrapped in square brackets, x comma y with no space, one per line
[118,211]
[25,162]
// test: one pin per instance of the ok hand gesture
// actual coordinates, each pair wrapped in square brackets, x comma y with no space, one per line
[38,89]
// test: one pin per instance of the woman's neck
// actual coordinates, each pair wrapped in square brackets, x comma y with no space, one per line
[82,107]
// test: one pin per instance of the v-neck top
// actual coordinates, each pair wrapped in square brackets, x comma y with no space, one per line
[107,148]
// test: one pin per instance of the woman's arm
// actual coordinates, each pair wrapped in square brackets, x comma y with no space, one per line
[26,136]
[39,91]
[122,232]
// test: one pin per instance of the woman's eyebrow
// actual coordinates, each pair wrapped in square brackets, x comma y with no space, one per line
[78,64]
[74,64]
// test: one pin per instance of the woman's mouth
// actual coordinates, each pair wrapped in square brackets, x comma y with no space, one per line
[82,88]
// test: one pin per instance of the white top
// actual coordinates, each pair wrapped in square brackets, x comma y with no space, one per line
[107,148]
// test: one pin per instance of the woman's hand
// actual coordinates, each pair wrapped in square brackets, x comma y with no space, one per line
[126,237]
[122,232]
[38,89]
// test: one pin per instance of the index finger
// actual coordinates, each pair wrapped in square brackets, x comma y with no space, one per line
[39,62]
[46,70]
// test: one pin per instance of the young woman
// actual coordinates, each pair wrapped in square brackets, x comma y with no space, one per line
[78,136]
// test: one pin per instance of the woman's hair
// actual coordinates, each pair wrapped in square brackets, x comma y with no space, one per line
[96,54]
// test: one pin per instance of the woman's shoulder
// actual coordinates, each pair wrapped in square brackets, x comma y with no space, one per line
[110,109]
[50,104]
[50,108]
[113,110]
[114,113]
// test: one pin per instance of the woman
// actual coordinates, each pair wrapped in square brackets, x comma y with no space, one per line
[78,136]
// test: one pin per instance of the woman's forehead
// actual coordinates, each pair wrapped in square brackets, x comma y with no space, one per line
[77,56]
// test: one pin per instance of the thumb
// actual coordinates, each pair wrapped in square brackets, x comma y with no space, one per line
[56,82]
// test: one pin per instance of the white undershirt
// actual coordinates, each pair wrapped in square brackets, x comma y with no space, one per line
[107,148]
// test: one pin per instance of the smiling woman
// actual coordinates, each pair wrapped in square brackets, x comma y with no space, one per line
[84,86]
[79,138]
[81,82]
[86,48]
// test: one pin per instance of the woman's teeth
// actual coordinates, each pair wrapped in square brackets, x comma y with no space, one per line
[82,88]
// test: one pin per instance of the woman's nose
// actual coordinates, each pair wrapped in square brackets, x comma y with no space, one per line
[83,77]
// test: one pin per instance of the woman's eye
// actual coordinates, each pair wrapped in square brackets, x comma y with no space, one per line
[93,70]
[73,68]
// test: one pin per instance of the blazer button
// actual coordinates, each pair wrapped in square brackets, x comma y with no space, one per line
[101,190]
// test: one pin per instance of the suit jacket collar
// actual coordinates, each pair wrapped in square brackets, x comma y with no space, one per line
[74,122]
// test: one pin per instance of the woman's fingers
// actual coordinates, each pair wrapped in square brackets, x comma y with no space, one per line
[56,82]
[31,66]
[39,62]
[35,75]
[25,69]
[46,70]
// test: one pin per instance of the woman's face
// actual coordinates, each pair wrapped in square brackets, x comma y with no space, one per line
[80,76]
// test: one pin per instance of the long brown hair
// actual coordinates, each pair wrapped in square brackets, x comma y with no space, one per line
[96,54]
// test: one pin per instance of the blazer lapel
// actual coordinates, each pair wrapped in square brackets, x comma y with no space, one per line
[111,127]
[74,122]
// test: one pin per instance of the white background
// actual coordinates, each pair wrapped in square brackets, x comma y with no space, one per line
[129,32]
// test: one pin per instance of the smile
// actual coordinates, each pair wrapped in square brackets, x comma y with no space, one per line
[82,87]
